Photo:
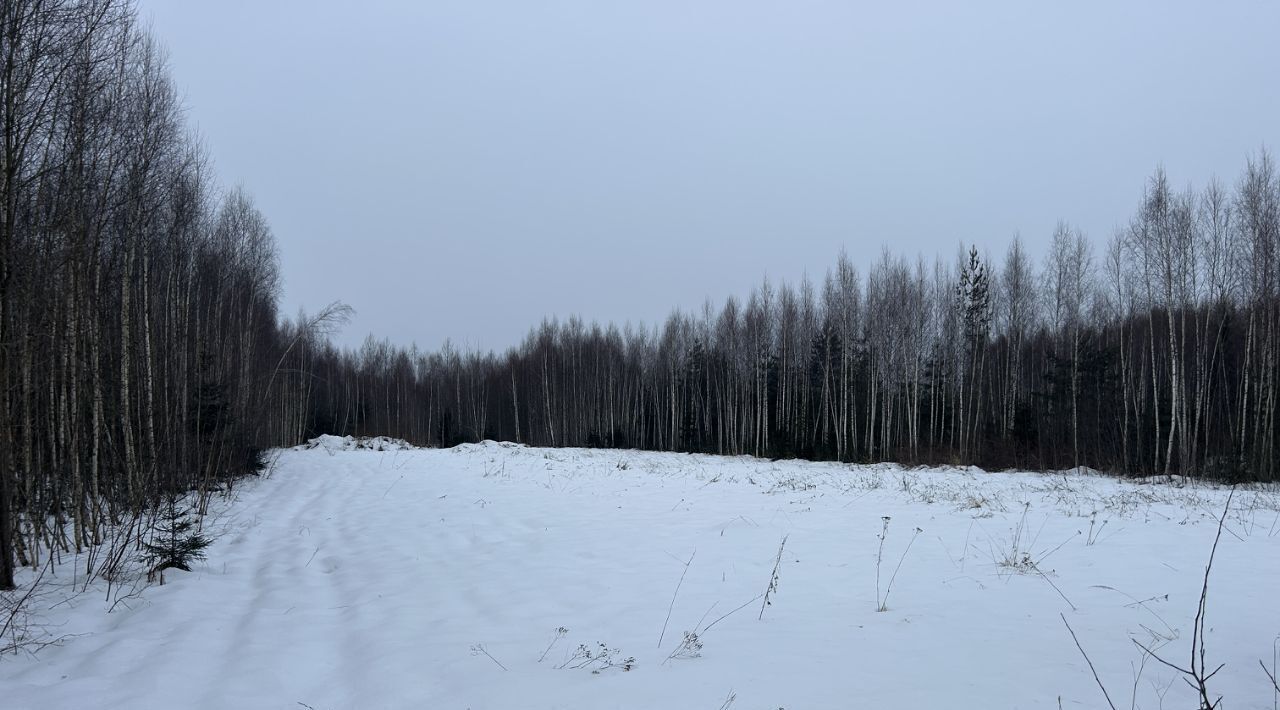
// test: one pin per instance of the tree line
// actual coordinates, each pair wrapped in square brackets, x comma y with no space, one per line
[1152,353]
[138,322]
[142,355]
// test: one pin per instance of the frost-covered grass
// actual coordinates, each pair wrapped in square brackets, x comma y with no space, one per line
[500,576]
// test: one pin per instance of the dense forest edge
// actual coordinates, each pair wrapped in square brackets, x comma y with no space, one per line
[143,356]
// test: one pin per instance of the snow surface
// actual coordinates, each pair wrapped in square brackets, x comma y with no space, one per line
[353,577]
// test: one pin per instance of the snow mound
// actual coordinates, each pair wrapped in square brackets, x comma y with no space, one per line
[331,443]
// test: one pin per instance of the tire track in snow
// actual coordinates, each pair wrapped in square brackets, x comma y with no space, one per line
[289,593]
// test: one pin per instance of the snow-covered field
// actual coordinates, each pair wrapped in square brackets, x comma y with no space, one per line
[477,577]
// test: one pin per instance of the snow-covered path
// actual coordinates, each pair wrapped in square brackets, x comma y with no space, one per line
[373,579]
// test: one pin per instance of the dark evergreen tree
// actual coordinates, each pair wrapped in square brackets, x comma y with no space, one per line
[176,541]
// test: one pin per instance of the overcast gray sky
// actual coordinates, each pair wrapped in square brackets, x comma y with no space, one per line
[462,169]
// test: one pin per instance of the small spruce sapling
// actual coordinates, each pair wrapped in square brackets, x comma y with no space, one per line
[176,543]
